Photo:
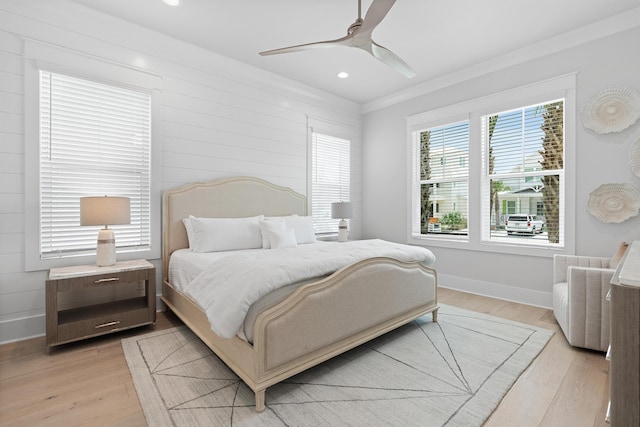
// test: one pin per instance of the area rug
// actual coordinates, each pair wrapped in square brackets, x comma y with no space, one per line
[450,373]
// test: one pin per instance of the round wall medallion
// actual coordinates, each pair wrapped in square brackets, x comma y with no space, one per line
[612,109]
[614,202]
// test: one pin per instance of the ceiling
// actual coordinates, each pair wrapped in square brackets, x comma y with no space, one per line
[435,38]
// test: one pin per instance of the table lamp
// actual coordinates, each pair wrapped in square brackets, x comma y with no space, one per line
[105,211]
[342,210]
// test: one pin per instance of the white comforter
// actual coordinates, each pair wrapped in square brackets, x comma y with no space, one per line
[228,287]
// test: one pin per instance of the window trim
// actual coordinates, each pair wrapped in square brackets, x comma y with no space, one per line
[39,56]
[563,86]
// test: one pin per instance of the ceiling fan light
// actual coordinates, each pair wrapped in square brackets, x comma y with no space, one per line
[343,75]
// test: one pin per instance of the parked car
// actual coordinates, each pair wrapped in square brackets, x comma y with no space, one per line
[523,224]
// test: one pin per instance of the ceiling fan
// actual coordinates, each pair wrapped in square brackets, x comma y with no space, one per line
[359,35]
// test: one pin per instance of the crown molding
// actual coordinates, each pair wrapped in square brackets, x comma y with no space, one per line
[606,27]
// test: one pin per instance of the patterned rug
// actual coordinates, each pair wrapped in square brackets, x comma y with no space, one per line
[450,373]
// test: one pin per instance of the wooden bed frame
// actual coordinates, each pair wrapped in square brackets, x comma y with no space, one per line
[319,320]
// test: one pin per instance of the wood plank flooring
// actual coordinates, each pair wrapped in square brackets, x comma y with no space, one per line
[88,383]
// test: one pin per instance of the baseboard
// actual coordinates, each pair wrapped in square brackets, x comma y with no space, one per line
[496,290]
[26,328]
[22,329]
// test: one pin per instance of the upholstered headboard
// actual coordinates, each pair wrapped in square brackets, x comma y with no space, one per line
[222,198]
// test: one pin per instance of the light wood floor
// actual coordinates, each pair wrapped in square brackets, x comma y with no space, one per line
[88,383]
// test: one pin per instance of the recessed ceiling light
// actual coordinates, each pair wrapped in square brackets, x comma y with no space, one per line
[343,74]
[172,2]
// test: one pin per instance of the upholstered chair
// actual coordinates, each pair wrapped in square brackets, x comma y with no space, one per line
[580,287]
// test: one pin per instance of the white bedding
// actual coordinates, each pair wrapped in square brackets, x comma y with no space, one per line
[226,288]
[185,265]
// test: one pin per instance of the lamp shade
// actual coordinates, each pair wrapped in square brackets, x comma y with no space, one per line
[104,210]
[341,210]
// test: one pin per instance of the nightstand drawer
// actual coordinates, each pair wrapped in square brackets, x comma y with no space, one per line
[97,320]
[75,283]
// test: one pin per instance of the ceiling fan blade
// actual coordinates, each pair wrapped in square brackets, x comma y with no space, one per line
[375,14]
[391,59]
[317,45]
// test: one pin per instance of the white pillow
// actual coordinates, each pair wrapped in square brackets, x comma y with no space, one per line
[226,234]
[269,225]
[189,228]
[278,218]
[284,238]
[303,226]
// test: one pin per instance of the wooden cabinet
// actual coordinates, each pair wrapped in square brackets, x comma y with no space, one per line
[625,341]
[88,320]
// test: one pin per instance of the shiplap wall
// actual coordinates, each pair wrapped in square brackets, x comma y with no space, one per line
[219,118]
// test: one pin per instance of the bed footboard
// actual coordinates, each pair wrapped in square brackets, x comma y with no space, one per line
[351,307]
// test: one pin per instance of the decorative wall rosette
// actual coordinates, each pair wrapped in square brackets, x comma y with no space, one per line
[614,203]
[613,109]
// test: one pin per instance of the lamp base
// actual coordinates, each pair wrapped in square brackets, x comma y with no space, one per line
[343,231]
[106,251]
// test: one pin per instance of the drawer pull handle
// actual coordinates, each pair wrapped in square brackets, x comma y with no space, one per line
[109,279]
[105,325]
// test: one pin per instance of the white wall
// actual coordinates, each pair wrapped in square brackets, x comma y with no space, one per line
[219,118]
[600,159]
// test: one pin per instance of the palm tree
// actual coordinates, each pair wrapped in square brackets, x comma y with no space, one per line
[493,196]
[496,188]
[552,151]
[426,207]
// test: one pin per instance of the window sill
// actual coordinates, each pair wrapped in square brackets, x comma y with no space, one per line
[487,246]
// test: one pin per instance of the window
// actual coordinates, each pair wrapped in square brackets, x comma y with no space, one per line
[443,185]
[88,127]
[95,139]
[330,178]
[474,163]
[524,164]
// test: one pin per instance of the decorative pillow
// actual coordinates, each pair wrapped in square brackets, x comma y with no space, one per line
[269,225]
[303,226]
[225,234]
[284,238]
[189,228]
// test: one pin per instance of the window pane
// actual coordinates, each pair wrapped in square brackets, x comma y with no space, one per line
[331,176]
[516,139]
[534,203]
[444,152]
[444,208]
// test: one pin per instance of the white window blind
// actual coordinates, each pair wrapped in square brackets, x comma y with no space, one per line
[441,187]
[524,171]
[331,158]
[95,139]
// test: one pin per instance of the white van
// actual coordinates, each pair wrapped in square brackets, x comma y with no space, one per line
[523,224]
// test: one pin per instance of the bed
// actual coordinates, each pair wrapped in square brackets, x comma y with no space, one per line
[315,322]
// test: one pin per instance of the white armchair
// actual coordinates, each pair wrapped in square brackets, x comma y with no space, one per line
[580,287]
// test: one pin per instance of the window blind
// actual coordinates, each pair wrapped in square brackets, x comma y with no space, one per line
[525,169]
[95,139]
[331,176]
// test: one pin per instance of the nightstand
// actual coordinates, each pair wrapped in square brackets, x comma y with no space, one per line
[83,320]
